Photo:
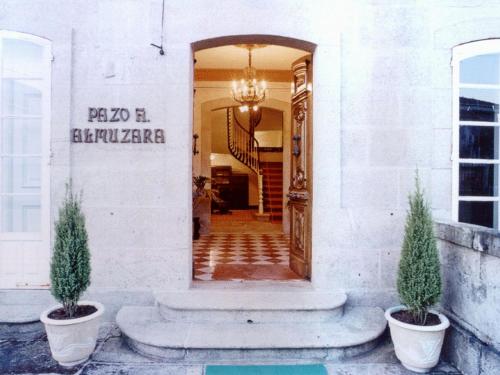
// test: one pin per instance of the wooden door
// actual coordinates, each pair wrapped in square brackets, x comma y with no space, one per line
[300,190]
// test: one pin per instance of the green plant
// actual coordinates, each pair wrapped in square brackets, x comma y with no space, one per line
[419,276]
[70,265]
[199,191]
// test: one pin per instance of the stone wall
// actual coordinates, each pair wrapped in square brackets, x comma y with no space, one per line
[381,106]
[471,296]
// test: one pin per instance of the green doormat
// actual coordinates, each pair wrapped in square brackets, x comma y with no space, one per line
[267,370]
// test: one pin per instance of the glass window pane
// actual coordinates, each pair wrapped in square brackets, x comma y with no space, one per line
[21,97]
[479,105]
[479,213]
[478,142]
[20,175]
[20,213]
[20,136]
[22,59]
[478,180]
[482,69]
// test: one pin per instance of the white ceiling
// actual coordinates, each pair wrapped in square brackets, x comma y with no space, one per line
[231,57]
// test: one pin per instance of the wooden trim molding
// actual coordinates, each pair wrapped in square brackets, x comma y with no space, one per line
[235,74]
[255,38]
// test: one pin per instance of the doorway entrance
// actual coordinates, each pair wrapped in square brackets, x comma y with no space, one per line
[252,160]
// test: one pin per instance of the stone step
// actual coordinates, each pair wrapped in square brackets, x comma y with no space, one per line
[21,313]
[273,189]
[256,306]
[274,207]
[271,184]
[275,164]
[273,194]
[274,204]
[273,200]
[274,179]
[356,333]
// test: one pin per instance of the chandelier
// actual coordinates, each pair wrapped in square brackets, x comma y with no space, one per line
[248,92]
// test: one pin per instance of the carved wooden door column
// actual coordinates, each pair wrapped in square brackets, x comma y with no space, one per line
[300,190]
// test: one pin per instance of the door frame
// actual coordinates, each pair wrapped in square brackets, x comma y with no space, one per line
[245,39]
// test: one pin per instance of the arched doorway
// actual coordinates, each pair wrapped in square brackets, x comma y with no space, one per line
[288,72]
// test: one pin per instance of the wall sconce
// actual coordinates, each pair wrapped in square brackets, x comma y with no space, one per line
[195,149]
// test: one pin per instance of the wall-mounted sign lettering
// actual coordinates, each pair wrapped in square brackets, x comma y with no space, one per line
[117,135]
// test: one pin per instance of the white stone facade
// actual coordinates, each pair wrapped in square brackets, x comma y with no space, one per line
[381,107]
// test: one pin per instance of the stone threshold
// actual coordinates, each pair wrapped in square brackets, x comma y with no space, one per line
[253,285]
[232,305]
[269,300]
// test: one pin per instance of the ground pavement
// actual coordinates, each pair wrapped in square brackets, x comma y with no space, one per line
[24,350]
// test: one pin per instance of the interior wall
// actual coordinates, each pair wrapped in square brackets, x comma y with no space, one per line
[381,105]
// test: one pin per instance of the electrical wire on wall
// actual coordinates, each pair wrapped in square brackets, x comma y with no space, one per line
[160,47]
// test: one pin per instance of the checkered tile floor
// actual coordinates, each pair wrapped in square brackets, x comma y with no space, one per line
[238,249]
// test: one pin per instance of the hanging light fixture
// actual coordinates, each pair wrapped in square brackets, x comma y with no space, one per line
[248,92]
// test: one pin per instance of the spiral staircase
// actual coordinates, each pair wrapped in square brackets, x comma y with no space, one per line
[243,146]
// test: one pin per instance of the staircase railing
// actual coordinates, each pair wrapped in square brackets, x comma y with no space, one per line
[245,148]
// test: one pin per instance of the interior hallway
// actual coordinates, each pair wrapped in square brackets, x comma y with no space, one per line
[241,248]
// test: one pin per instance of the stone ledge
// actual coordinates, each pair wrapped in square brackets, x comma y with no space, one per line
[474,237]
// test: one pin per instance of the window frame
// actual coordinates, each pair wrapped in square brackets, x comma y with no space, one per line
[460,53]
[46,88]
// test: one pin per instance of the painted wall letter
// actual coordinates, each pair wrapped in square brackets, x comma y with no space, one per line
[124,114]
[140,115]
[87,135]
[159,136]
[136,136]
[76,135]
[101,134]
[92,114]
[102,115]
[147,136]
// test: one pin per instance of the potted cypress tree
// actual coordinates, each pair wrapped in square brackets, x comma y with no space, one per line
[72,326]
[417,331]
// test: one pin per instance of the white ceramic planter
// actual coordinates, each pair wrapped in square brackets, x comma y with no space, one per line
[417,347]
[72,341]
